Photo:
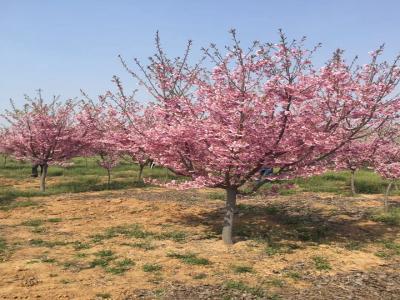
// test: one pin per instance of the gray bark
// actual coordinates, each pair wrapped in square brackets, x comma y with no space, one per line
[387,196]
[353,186]
[43,175]
[109,178]
[141,167]
[227,229]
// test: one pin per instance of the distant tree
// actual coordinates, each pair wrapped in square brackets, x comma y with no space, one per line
[134,123]
[43,133]
[265,105]
[103,127]
[387,160]
[355,155]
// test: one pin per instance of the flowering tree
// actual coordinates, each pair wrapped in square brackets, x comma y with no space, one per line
[266,105]
[356,155]
[134,122]
[44,134]
[103,127]
[387,162]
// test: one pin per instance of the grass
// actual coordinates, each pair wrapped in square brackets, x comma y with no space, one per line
[190,259]
[80,245]
[3,249]
[33,223]
[147,246]
[240,286]
[103,295]
[392,217]
[121,266]
[149,268]
[390,249]
[293,275]
[48,244]
[321,263]
[242,269]
[54,220]
[199,276]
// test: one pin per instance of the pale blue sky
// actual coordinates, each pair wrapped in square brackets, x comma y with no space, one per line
[63,46]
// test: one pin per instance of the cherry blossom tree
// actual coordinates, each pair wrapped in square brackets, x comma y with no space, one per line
[43,133]
[262,106]
[387,160]
[134,122]
[103,129]
[355,155]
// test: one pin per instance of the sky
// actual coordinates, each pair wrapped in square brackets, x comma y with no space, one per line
[64,46]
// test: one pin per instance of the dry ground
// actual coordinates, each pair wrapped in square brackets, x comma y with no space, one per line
[160,244]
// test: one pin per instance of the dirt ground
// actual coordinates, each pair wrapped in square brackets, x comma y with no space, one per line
[162,244]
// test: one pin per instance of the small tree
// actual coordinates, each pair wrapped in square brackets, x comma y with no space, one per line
[43,133]
[356,155]
[266,105]
[103,129]
[134,122]
[387,162]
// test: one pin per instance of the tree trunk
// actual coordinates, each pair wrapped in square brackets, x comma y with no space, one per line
[387,196]
[5,161]
[353,186]
[109,178]
[43,175]
[141,167]
[227,230]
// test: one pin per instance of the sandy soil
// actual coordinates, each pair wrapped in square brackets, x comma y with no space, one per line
[316,246]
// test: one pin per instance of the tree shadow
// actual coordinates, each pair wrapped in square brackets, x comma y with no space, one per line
[296,225]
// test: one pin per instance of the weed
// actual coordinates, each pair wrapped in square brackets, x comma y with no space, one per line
[54,220]
[104,253]
[200,276]
[321,263]
[81,255]
[103,295]
[392,217]
[121,266]
[242,269]
[33,223]
[190,259]
[294,275]
[81,246]
[151,268]
[38,230]
[240,286]
[144,245]
[177,236]
[48,244]
[48,260]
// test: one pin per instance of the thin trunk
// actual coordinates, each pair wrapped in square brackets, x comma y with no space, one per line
[353,186]
[141,167]
[387,196]
[86,162]
[227,229]
[5,161]
[109,178]
[43,175]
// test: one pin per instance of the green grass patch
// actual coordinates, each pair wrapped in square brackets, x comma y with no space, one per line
[80,245]
[48,244]
[33,223]
[321,263]
[242,269]
[54,220]
[392,217]
[241,286]
[190,259]
[103,295]
[149,268]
